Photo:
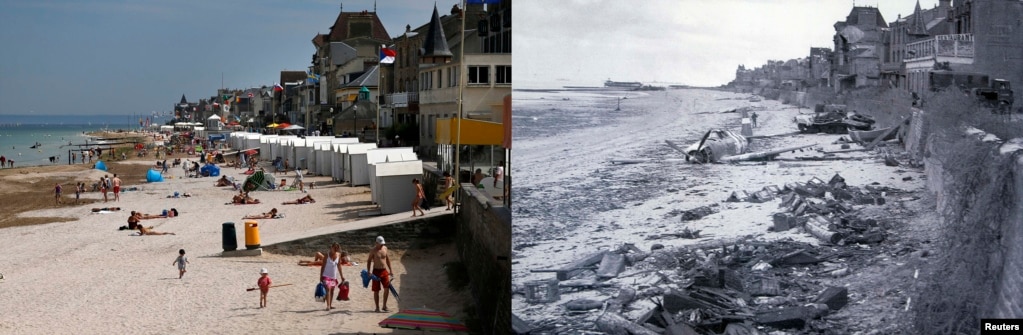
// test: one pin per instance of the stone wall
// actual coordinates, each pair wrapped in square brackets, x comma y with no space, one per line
[1008,259]
[1007,302]
[484,244]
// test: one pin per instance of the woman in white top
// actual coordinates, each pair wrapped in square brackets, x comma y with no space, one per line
[330,271]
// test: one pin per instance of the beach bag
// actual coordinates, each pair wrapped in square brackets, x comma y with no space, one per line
[342,291]
[321,292]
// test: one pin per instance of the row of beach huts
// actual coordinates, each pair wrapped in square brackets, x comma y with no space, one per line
[387,171]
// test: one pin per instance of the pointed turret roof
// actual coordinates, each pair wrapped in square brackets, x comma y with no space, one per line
[916,23]
[435,46]
[183,101]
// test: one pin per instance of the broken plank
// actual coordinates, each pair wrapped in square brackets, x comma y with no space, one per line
[613,323]
[835,297]
[574,268]
[611,265]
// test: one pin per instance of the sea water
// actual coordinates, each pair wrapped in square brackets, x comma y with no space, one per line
[16,141]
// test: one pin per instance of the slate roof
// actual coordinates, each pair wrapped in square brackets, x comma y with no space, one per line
[368,78]
[854,16]
[436,43]
[340,32]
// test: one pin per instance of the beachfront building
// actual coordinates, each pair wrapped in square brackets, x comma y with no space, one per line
[360,97]
[923,24]
[981,37]
[819,64]
[183,110]
[479,70]
[401,83]
[285,107]
[348,51]
[859,45]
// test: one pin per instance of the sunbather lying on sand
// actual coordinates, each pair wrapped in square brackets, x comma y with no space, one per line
[243,198]
[146,231]
[223,181]
[171,213]
[272,214]
[303,200]
[106,209]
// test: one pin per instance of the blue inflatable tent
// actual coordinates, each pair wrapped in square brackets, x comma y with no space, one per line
[210,170]
[153,176]
[101,166]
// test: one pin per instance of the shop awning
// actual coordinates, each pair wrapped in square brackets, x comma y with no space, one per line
[474,132]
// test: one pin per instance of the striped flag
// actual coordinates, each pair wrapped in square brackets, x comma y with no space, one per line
[387,55]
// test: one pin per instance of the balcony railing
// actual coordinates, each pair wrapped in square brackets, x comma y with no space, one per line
[955,46]
[403,99]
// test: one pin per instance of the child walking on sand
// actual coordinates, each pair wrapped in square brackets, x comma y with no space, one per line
[181,261]
[264,286]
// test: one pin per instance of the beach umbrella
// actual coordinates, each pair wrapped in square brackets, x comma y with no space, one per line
[294,127]
[272,125]
[283,125]
[423,319]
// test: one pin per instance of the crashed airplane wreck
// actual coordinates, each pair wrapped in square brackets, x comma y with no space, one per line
[745,286]
[719,146]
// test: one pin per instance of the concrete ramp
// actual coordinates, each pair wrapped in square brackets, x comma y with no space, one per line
[371,222]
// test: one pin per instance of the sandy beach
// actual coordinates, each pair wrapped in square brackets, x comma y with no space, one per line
[79,274]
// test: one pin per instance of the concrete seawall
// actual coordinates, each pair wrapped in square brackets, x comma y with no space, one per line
[483,237]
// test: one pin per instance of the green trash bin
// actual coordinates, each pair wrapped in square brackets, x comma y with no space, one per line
[229,237]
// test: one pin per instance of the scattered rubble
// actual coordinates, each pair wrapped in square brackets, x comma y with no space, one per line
[740,287]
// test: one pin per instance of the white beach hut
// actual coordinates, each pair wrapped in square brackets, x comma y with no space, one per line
[395,185]
[265,148]
[356,167]
[384,155]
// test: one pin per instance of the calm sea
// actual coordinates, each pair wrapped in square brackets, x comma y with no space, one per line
[16,141]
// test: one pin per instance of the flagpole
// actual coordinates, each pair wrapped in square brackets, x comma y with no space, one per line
[380,92]
[461,84]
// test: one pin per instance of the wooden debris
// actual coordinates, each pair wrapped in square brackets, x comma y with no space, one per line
[698,213]
[674,328]
[613,323]
[520,326]
[583,305]
[572,269]
[738,196]
[818,227]
[611,265]
[796,257]
[834,297]
[765,287]
[761,196]
[675,301]
[792,317]
[542,291]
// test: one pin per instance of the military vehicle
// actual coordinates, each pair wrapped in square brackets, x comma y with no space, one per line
[832,119]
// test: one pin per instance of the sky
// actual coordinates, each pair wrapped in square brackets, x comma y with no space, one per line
[127,57]
[689,42]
